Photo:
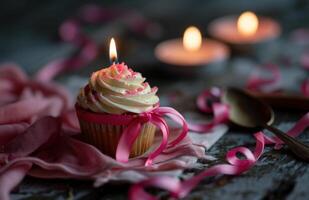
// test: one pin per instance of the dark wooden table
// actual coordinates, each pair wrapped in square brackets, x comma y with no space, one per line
[29,39]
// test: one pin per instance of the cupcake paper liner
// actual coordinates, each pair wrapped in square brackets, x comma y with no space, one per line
[105,137]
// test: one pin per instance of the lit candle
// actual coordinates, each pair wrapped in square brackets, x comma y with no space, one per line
[112,51]
[192,39]
[245,29]
[191,50]
[247,24]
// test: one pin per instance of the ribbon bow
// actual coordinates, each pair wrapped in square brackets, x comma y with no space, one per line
[134,124]
[155,117]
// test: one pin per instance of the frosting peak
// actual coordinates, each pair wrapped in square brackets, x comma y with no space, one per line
[116,90]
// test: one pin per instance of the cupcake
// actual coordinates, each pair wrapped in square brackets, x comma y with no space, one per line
[116,92]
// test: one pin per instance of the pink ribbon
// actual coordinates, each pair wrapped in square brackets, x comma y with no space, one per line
[221,115]
[208,102]
[134,124]
[235,166]
[258,83]
[178,189]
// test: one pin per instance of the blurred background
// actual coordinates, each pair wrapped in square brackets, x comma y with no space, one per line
[29,28]
[36,33]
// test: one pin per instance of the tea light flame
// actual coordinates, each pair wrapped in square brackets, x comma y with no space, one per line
[112,51]
[247,23]
[192,39]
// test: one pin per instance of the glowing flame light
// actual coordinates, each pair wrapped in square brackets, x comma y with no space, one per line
[192,39]
[112,51]
[247,23]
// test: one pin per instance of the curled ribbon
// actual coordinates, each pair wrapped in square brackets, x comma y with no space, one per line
[221,115]
[134,124]
[209,102]
[258,83]
[235,165]
[178,189]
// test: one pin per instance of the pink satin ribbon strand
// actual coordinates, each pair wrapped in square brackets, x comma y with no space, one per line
[179,189]
[258,83]
[209,102]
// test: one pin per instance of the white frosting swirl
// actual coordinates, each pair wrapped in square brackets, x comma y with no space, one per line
[116,90]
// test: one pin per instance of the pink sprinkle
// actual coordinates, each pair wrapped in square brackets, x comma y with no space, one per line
[102,73]
[154,89]
[120,68]
[124,66]
[140,89]
[133,73]
[130,77]
[131,92]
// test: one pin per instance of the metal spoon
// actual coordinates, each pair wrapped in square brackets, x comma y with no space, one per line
[250,112]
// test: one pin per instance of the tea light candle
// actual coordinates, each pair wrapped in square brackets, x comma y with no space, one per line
[246,29]
[191,50]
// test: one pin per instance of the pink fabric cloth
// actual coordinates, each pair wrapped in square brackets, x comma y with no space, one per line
[37,138]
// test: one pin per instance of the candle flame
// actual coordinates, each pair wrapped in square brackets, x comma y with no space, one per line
[112,51]
[247,23]
[192,39]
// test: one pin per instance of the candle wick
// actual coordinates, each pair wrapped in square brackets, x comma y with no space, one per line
[114,61]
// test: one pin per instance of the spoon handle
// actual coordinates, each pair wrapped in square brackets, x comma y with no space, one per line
[298,148]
